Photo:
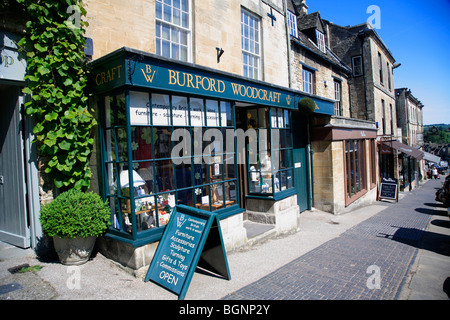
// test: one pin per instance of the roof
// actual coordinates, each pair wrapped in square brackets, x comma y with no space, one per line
[307,22]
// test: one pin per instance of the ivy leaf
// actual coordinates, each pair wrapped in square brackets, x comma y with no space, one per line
[43,70]
[51,116]
[68,82]
[40,48]
[65,145]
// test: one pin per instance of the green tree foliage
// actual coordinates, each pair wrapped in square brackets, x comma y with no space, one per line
[56,81]
[437,133]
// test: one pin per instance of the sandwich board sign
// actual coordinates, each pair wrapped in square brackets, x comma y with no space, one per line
[388,189]
[191,238]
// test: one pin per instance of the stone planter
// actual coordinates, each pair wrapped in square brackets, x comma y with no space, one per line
[74,251]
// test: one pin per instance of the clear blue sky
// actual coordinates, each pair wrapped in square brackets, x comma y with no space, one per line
[418,35]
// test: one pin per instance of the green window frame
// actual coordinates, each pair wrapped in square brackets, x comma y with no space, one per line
[136,133]
[270,166]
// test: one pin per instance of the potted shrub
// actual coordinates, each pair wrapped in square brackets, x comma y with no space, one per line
[75,219]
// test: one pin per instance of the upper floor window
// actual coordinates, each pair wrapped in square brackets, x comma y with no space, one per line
[173,32]
[292,21]
[357,66]
[308,81]
[389,76]
[380,65]
[251,47]
[321,41]
[337,97]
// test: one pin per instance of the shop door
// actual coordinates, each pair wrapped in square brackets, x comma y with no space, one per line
[301,165]
[13,210]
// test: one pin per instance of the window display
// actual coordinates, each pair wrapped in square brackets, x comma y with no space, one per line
[144,181]
[270,167]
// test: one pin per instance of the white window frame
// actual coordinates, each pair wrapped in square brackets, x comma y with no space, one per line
[337,97]
[292,22]
[251,45]
[172,24]
[308,81]
[321,41]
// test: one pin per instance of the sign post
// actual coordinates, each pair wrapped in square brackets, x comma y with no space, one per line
[388,189]
[192,237]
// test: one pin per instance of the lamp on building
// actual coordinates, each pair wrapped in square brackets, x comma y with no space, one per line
[396,65]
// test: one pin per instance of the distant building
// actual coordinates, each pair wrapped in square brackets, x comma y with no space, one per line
[343,146]
[410,120]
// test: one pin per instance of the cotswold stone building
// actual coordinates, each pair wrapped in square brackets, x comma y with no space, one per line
[201,67]
[342,145]
[410,120]
[372,90]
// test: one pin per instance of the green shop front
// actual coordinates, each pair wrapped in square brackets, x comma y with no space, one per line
[177,133]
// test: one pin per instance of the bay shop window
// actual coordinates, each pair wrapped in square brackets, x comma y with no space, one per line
[270,167]
[143,180]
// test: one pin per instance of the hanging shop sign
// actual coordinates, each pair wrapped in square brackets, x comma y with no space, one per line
[139,69]
[13,66]
[388,189]
[192,237]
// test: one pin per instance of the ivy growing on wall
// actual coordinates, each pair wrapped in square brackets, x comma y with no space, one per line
[56,80]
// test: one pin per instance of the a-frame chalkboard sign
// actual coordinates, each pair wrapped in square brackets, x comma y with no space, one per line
[388,189]
[191,238]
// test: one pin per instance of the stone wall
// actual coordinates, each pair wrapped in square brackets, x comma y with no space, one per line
[215,24]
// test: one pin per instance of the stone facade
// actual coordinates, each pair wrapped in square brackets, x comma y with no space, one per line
[214,24]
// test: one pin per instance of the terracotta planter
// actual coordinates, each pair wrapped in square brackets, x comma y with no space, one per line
[74,251]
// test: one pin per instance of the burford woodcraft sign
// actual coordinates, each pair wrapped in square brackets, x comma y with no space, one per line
[139,69]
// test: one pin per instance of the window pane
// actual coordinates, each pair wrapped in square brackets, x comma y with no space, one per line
[164,175]
[202,197]
[212,113]
[162,142]
[184,174]
[145,176]
[166,203]
[185,197]
[180,111]
[230,193]
[160,109]
[141,143]
[200,176]
[197,113]
[217,197]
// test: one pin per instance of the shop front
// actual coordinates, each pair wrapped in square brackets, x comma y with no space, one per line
[177,133]
[408,164]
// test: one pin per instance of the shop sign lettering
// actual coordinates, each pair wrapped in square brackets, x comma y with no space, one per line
[110,75]
[181,246]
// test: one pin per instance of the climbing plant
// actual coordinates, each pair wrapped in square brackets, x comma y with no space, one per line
[56,80]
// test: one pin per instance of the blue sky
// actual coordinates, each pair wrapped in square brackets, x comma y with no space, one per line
[418,35]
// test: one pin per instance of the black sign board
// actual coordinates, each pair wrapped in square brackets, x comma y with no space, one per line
[192,237]
[388,189]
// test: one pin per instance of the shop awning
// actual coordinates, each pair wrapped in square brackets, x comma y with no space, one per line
[413,152]
[431,157]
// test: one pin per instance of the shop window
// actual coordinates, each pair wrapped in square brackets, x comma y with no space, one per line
[144,179]
[355,174]
[270,164]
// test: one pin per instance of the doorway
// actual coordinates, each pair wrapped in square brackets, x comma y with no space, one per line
[14,222]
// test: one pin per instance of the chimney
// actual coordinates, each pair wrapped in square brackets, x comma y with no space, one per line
[300,6]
